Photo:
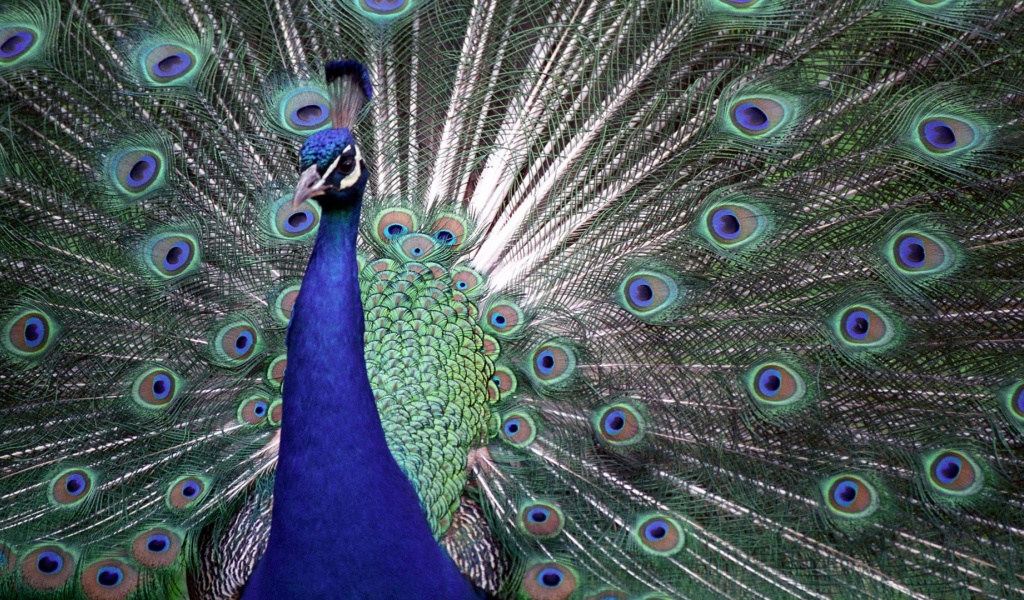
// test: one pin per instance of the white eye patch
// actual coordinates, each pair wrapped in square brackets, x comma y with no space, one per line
[353,177]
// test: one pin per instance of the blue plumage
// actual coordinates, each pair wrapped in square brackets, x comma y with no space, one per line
[333,456]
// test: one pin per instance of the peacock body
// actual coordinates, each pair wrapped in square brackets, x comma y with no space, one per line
[681,299]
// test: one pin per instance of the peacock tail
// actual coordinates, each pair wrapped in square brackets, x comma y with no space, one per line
[663,299]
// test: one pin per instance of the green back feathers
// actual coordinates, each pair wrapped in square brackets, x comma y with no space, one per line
[428,371]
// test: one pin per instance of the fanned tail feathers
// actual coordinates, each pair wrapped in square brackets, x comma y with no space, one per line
[742,281]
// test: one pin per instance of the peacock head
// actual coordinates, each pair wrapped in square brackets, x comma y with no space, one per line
[333,170]
[331,163]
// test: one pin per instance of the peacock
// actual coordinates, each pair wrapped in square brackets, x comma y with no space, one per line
[549,299]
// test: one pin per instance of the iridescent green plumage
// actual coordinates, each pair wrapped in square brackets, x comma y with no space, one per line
[425,360]
[684,299]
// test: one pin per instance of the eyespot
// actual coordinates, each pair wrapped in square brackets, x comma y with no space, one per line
[861,325]
[109,579]
[541,519]
[549,581]
[518,429]
[254,410]
[503,318]
[647,293]
[733,225]
[186,492]
[275,372]
[449,231]
[552,363]
[171,255]
[380,8]
[394,223]
[1013,405]
[757,116]
[291,222]
[490,346]
[47,568]
[915,253]
[276,412]
[29,333]
[16,43]
[619,424]
[305,110]
[156,548]
[466,280]
[417,246]
[71,487]
[169,64]
[953,473]
[659,534]
[284,303]
[137,171]
[773,385]
[505,380]
[943,135]
[156,387]
[850,496]
[740,4]
[237,342]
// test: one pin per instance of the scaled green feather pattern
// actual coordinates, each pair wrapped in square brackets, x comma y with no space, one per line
[425,361]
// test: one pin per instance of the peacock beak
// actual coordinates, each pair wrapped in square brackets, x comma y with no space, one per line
[311,184]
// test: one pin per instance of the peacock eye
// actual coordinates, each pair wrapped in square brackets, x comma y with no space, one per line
[186,492]
[541,519]
[383,7]
[71,487]
[393,223]
[505,380]
[619,424]
[941,135]
[659,534]
[156,388]
[15,43]
[158,543]
[49,563]
[156,548]
[109,578]
[774,385]
[310,115]
[865,327]
[254,410]
[953,473]
[169,64]
[850,496]
[549,580]
[503,317]
[346,165]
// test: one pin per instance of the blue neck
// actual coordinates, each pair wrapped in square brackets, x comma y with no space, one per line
[346,521]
